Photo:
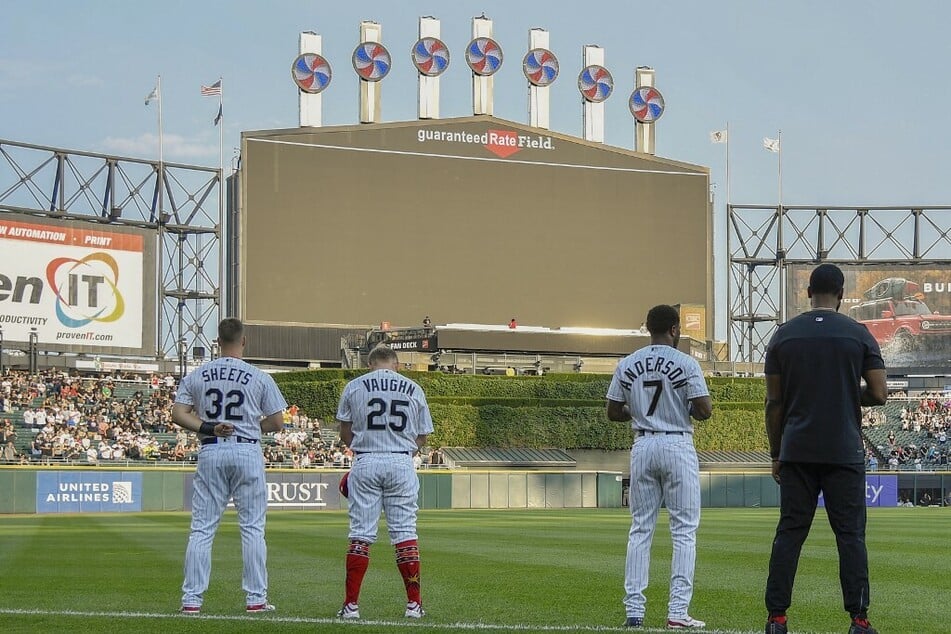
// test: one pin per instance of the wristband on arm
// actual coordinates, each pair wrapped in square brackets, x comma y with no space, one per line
[207,428]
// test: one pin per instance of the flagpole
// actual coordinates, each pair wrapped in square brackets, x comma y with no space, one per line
[161,148]
[781,246]
[222,259]
[726,224]
[728,164]
[780,138]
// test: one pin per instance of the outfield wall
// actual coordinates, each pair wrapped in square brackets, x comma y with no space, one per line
[58,490]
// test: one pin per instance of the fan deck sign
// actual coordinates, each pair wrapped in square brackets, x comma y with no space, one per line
[76,287]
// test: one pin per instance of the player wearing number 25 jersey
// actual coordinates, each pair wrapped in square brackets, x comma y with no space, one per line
[385,419]
[229,403]
[658,389]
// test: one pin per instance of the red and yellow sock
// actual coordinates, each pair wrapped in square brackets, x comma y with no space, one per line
[358,559]
[407,560]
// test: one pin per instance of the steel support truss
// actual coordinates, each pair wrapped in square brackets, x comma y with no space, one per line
[762,241]
[182,204]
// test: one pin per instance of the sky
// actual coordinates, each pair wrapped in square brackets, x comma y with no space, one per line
[858,88]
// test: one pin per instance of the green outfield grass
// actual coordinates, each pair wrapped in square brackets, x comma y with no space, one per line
[506,570]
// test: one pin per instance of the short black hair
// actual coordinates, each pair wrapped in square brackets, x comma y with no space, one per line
[660,319]
[382,353]
[230,330]
[826,279]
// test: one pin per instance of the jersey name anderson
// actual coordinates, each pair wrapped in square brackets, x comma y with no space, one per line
[660,365]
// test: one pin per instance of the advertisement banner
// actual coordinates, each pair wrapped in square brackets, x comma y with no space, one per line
[88,492]
[291,491]
[879,491]
[77,285]
[906,308]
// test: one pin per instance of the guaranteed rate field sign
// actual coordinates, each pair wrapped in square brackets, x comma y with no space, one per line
[80,287]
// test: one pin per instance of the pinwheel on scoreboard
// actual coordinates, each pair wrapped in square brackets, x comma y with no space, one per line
[540,67]
[595,83]
[484,56]
[430,56]
[646,104]
[371,60]
[311,72]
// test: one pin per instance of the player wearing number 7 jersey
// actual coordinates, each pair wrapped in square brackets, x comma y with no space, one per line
[658,389]
[229,403]
[385,419]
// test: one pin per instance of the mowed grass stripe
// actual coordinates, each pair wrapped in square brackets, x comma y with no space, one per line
[256,623]
[504,569]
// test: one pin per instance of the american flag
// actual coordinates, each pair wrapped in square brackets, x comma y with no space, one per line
[213,90]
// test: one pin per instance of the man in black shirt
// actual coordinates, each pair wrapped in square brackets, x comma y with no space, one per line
[814,366]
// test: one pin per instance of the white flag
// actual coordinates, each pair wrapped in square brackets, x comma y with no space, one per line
[771,144]
[718,136]
[152,95]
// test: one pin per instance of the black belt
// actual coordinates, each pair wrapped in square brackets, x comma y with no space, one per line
[643,432]
[360,453]
[210,440]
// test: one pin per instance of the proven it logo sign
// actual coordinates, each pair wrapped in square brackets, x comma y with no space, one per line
[501,143]
[86,289]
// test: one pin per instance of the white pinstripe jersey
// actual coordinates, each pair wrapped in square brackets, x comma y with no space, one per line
[657,383]
[387,412]
[229,390]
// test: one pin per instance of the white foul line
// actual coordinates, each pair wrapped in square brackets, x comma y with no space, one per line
[521,627]
[324,146]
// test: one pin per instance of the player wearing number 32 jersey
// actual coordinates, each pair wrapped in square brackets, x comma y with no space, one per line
[658,389]
[229,403]
[385,419]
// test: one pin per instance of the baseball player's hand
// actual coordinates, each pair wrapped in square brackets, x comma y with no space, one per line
[224,429]
[776,467]
[344,486]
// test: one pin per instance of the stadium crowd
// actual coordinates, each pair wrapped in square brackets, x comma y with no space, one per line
[68,417]
[926,420]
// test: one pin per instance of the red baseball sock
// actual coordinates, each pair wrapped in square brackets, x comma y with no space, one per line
[358,559]
[407,560]
[778,618]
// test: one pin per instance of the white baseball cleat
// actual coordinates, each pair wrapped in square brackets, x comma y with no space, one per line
[260,607]
[349,611]
[683,622]
[414,610]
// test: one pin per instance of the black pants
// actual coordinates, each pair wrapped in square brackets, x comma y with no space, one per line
[843,491]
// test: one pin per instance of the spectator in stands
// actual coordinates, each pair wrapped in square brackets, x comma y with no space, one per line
[513,324]
[10,454]
[427,322]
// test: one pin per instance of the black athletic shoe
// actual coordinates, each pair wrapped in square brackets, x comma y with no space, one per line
[634,621]
[774,627]
[862,626]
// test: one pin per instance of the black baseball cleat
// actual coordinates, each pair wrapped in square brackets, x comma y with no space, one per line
[634,621]
[862,626]
[775,627]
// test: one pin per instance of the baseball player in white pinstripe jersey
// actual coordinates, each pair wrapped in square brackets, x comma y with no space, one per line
[385,419]
[658,389]
[229,403]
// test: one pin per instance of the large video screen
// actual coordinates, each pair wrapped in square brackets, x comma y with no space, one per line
[470,221]
[906,308]
[82,287]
